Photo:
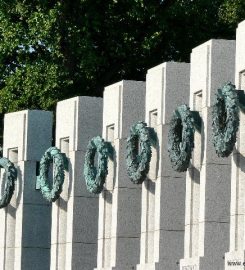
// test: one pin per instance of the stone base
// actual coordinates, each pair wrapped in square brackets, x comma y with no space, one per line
[202,263]
[235,260]
[112,268]
[190,264]
[147,266]
[158,266]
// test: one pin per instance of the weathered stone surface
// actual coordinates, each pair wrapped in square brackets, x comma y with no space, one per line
[208,179]
[76,118]
[31,133]
[75,214]
[120,202]
[163,195]
[237,209]
[25,234]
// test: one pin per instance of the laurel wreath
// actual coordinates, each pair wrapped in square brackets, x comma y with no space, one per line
[181,138]
[53,154]
[95,177]
[138,152]
[225,120]
[11,177]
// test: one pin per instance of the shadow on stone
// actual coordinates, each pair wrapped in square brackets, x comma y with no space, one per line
[70,173]
[20,182]
[3,178]
[107,196]
[194,174]
[62,204]
[239,160]
[202,141]
[114,158]
[150,185]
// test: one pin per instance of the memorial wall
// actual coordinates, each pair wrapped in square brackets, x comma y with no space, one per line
[151,177]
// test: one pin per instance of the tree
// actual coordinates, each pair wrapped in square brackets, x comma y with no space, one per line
[52,50]
[232,12]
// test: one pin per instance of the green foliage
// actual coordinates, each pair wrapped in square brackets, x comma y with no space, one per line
[232,12]
[225,120]
[51,50]
[32,65]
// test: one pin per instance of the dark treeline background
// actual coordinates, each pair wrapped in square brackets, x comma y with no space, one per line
[52,50]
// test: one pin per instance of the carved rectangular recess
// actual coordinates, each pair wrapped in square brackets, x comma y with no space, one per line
[64,146]
[198,101]
[110,130]
[154,159]
[242,80]
[153,118]
[110,135]
[13,155]
[37,174]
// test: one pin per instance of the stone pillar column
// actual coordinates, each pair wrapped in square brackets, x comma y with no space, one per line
[163,193]
[25,222]
[120,202]
[75,213]
[235,258]
[208,178]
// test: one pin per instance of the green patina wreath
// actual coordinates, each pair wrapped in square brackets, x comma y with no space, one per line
[95,177]
[138,152]
[225,121]
[54,155]
[11,176]
[181,138]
